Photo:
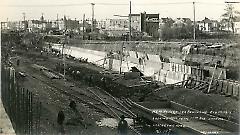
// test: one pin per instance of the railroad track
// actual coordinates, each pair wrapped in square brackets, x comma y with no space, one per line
[102,103]
[74,96]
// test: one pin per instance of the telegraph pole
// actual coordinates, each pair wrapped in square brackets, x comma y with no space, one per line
[194,23]
[63,55]
[83,25]
[24,16]
[92,17]
[57,22]
[130,19]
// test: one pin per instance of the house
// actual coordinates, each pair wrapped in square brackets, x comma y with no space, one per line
[68,24]
[34,25]
[180,22]
[84,26]
[52,25]
[14,25]
[207,25]
[4,25]
[101,24]
[237,26]
[165,21]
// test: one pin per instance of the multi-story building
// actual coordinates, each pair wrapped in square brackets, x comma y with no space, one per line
[143,22]
[14,25]
[116,24]
[101,24]
[52,25]
[68,24]
[136,22]
[36,25]
[4,25]
[237,27]
[150,24]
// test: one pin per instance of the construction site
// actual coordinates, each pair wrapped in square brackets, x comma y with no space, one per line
[159,87]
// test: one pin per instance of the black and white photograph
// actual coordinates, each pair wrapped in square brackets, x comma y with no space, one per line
[120,67]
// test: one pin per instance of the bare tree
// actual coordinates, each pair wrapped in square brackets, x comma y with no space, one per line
[230,16]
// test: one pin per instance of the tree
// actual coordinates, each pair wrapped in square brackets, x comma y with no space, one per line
[230,16]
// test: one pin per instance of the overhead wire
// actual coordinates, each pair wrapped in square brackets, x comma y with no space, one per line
[49,5]
[113,4]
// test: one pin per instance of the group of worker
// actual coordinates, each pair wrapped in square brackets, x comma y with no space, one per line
[122,128]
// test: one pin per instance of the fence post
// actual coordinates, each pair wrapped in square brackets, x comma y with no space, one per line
[31,116]
[17,109]
[39,116]
[27,112]
[21,111]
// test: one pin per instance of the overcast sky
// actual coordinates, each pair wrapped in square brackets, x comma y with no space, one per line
[13,9]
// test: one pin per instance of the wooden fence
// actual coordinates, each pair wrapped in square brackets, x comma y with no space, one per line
[23,109]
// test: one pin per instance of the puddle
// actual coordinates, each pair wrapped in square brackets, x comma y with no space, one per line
[111,122]
[107,122]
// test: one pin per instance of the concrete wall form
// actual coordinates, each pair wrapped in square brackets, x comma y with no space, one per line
[152,66]
[228,88]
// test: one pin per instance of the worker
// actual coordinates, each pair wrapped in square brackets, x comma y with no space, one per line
[103,82]
[73,105]
[73,74]
[78,75]
[122,126]
[60,117]
[90,80]
[60,120]
[189,82]
[18,62]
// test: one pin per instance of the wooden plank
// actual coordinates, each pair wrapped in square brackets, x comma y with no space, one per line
[50,75]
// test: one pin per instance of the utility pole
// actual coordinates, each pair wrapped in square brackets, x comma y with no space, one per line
[83,25]
[42,19]
[57,22]
[121,58]
[194,23]
[130,19]
[92,17]
[63,55]
[24,16]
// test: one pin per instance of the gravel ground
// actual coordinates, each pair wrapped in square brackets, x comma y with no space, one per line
[204,102]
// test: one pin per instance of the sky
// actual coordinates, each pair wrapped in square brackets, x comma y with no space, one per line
[12,10]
